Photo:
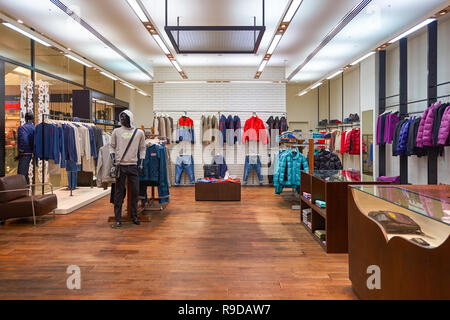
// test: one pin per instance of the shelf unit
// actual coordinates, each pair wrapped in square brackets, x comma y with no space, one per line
[333,218]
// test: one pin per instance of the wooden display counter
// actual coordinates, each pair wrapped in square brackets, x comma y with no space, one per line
[406,269]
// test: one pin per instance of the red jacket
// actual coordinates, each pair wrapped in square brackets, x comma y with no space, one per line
[343,136]
[353,138]
[254,130]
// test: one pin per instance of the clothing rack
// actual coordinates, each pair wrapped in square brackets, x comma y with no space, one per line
[54,117]
[417,101]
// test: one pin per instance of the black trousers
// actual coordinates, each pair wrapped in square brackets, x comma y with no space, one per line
[130,172]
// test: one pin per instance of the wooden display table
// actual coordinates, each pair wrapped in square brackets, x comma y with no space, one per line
[330,186]
[217,191]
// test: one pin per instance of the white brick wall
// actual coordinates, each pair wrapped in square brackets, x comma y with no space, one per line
[240,99]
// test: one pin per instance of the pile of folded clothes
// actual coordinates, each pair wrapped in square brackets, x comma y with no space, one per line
[321,234]
[321,203]
[306,213]
[214,180]
[307,195]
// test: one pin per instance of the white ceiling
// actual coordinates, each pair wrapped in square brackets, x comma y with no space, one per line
[116,21]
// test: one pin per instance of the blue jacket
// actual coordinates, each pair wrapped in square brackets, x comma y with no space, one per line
[69,143]
[155,170]
[237,129]
[25,143]
[403,138]
[290,164]
[223,127]
[53,144]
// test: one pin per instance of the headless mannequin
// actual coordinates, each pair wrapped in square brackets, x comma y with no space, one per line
[125,121]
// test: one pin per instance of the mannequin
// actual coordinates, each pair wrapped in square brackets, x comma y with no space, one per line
[130,166]
[25,145]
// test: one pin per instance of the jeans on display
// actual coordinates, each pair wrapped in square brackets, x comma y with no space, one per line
[72,174]
[252,162]
[184,162]
[24,166]
[130,172]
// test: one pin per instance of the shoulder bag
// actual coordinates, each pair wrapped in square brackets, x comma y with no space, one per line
[115,169]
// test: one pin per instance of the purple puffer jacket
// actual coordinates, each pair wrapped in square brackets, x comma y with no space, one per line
[444,130]
[428,127]
[419,139]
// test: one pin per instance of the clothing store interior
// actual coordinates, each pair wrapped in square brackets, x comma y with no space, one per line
[225,150]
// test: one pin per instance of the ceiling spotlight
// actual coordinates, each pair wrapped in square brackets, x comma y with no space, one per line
[19,21]
[26,34]
[413,29]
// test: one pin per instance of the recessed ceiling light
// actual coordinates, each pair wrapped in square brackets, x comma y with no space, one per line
[292,10]
[176,65]
[109,76]
[262,66]
[161,43]
[362,58]
[127,85]
[413,29]
[335,74]
[274,43]
[138,10]
[19,21]
[78,60]
[29,35]
[316,85]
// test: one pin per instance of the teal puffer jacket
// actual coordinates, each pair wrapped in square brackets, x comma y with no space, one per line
[290,164]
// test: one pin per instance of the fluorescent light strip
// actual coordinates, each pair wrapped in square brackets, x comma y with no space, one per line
[362,58]
[161,43]
[138,10]
[303,93]
[185,82]
[107,75]
[262,66]
[29,35]
[316,85]
[143,93]
[413,29]
[292,10]
[176,65]
[274,43]
[127,85]
[335,74]
[78,60]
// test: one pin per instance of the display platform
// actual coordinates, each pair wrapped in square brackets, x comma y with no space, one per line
[80,197]
[217,191]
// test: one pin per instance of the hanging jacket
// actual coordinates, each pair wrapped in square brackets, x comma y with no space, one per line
[343,137]
[391,123]
[254,130]
[438,114]
[411,146]
[396,136]
[214,126]
[223,128]
[403,137]
[290,164]
[230,130]
[237,129]
[444,129]
[155,170]
[326,160]
[283,124]
[185,130]
[25,137]
[419,138]
[428,126]
[53,143]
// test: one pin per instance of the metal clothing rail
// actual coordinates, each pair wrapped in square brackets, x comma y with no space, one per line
[217,111]
[417,101]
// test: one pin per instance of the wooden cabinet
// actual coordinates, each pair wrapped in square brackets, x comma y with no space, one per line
[406,269]
[330,186]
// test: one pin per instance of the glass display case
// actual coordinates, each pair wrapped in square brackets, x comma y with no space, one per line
[343,176]
[420,218]
[404,233]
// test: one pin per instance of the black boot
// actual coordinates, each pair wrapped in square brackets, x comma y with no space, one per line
[136,221]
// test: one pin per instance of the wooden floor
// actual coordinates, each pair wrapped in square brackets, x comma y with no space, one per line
[253,249]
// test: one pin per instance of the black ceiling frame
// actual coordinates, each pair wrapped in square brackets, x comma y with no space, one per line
[257,40]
